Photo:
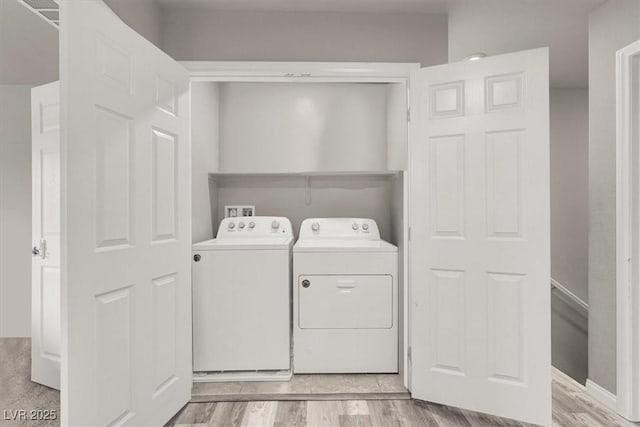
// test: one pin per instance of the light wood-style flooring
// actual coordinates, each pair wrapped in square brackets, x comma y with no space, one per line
[572,406]
[305,387]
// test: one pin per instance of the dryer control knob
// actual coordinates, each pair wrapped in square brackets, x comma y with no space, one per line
[241,225]
[252,225]
[365,226]
[275,225]
[232,225]
[355,227]
[315,226]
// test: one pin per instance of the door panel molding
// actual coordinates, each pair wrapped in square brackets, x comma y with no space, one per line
[480,235]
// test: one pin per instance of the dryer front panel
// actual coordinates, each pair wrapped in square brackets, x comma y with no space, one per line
[345,301]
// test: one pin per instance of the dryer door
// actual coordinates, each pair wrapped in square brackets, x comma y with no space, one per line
[345,302]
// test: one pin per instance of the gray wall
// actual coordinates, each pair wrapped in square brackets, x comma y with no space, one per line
[327,196]
[15,211]
[569,190]
[303,36]
[569,228]
[204,158]
[301,127]
[502,26]
[144,16]
[611,27]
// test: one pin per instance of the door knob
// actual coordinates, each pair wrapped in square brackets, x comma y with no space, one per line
[40,250]
[306,283]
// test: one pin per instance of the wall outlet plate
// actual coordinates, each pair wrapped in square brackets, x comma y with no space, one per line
[239,210]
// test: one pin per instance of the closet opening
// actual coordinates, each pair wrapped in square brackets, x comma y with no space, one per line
[303,149]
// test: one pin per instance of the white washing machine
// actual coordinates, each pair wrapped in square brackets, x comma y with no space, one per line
[345,294]
[242,296]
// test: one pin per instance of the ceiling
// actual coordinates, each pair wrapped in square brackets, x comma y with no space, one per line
[28,46]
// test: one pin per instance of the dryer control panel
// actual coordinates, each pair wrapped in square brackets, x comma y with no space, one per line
[255,226]
[339,228]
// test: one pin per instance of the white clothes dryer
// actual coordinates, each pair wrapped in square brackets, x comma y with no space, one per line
[242,296]
[345,293]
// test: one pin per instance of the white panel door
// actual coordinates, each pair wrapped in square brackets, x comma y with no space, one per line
[126,269]
[480,248]
[45,275]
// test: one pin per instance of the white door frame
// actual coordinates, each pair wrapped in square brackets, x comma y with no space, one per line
[628,231]
[326,72]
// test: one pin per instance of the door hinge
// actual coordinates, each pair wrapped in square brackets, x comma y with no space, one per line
[408,114]
[409,234]
[409,354]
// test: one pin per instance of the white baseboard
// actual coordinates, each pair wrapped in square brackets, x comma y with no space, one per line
[602,395]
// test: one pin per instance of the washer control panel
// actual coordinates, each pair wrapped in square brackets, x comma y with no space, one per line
[255,226]
[338,228]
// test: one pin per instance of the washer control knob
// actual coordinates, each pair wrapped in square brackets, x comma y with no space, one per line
[315,226]
[241,225]
[355,227]
[275,225]
[232,225]
[252,225]
[365,226]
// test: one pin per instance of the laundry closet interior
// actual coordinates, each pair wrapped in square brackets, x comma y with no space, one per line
[299,141]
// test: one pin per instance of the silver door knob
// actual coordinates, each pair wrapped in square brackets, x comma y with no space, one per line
[306,283]
[35,251]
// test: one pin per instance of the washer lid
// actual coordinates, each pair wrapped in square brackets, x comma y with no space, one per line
[263,243]
[343,245]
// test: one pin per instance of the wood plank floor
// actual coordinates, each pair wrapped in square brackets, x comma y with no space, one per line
[305,387]
[571,407]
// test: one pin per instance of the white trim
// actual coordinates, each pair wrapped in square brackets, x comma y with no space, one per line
[573,298]
[627,235]
[601,394]
[317,72]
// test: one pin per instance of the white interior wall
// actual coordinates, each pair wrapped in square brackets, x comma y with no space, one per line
[15,211]
[144,16]
[569,189]
[302,127]
[611,27]
[204,158]
[28,46]
[205,34]
[328,196]
[502,26]
[569,228]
